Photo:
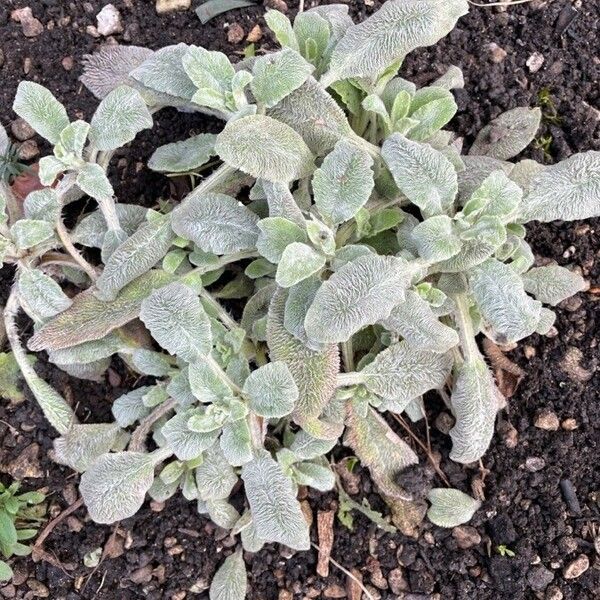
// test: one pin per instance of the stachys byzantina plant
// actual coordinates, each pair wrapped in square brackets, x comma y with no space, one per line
[368,250]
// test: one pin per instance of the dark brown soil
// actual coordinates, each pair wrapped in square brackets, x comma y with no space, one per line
[171,552]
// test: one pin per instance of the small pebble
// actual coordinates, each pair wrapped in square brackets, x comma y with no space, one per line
[235,33]
[167,6]
[539,578]
[38,589]
[569,424]
[534,463]
[28,150]
[1,58]
[529,352]
[497,53]
[109,21]
[466,536]
[67,63]
[27,66]
[444,422]
[93,31]
[577,567]
[31,26]
[21,129]
[553,593]
[547,420]
[334,591]
[535,62]
[255,34]
[279,5]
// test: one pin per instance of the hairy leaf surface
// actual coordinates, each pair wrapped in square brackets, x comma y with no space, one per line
[41,294]
[361,293]
[185,156]
[298,262]
[552,284]
[276,513]
[263,147]
[230,581]
[450,507]
[271,390]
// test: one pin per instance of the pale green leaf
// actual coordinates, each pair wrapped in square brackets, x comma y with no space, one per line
[277,75]
[276,512]
[215,477]
[236,443]
[93,181]
[149,362]
[424,175]
[135,256]
[317,476]
[114,487]
[299,299]
[361,293]
[271,390]
[281,26]
[306,447]
[91,319]
[177,321]
[497,196]
[41,110]
[508,134]
[205,383]
[386,37]
[119,118]
[568,191]
[230,581]
[505,307]
[129,408]
[216,223]
[42,205]
[41,294]
[73,138]
[402,373]
[552,284]
[343,183]
[88,352]
[81,445]
[276,233]
[263,147]
[379,449]
[27,233]
[450,507]
[475,402]
[90,231]
[416,322]
[185,443]
[185,156]
[298,262]
[312,32]
[435,239]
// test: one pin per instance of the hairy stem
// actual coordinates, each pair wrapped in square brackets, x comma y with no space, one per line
[462,318]
[138,438]
[348,379]
[348,356]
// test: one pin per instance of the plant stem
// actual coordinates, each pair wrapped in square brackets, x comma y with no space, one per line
[348,356]
[138,438]
[63,234]
[219,310]
[462,318]
[348,379]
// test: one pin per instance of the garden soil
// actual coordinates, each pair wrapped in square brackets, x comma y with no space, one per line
[539,524]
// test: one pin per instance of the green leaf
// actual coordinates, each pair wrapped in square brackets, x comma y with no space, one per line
[215,477]
[361,293]
[73,138]
[91,230]
[41,294]
[435,239]
[278,75]
[89,318]
[317,476]
[205,383]
[263,147]
[177,321]
[216,223]
[89,352]
[298,262]
[276,512]
[42,205]
[314,372]
[568,191]
[41,110]
[497,196]
[9,378]
[27,233]
[307,447]
[424,175]
[212,8]
[475,402]
[129,408]
[185,156]
[379,449]
[163,71]
[312,32]
[299,299]
[282,203]
[6,573]
[271,390]
[236,443]
[432,117]
[343,183]
[281,26]
[553,284]
[93,181]
[81,445]
[508,134]
[185,443]
[135,256]
[230,581]
[119,118]
[385,38]
[276,233]
[315,115]
[507,310]
[401,373]
[114,487]
[450,507]
[416,322]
